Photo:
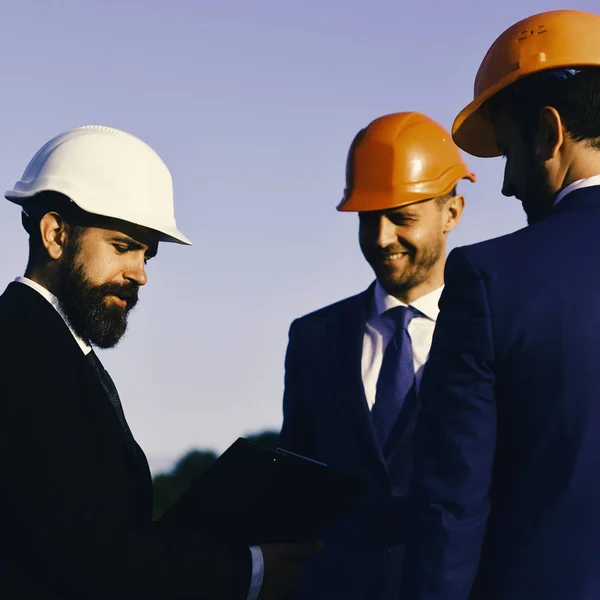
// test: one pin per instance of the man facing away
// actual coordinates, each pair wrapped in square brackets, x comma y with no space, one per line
[353,368]
[506,490]
[75,488]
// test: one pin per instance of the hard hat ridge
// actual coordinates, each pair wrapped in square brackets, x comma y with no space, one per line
[553,42]
[106,172]
[400,159]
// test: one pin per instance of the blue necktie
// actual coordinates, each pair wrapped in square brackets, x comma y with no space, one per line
[397,376]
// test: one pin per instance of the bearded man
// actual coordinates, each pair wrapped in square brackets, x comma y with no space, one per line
[75,488]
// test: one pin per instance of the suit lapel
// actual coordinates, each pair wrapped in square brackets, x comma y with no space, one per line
[346,336]
[77,368]
[136,459]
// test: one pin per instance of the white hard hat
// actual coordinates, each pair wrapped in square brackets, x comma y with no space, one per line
[106,172]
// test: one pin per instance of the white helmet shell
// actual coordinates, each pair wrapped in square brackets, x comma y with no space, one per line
[106,172]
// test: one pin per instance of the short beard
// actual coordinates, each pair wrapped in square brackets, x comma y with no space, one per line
[84,307]
[418,270]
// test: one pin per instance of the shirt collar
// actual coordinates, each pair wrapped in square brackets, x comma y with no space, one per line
[53,300]
[427,304]
[576,185]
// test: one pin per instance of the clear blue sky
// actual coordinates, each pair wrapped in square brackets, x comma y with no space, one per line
[252,105]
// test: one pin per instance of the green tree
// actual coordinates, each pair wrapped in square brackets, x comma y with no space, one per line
[168,487]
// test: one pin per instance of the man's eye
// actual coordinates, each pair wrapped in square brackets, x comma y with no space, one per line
[401,219]
[120,249]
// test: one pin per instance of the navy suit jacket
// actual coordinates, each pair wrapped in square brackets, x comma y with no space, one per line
[507,458]
[326,417]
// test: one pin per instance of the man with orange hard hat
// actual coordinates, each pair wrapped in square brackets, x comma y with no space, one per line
[353,368]
[507,448]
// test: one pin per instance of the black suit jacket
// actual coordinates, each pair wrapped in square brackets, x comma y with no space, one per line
[75,494]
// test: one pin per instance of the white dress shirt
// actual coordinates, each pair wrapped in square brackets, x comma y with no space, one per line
[576,185]
[258,565]
[379,331]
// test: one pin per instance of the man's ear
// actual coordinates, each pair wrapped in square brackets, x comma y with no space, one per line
[53,233]
[453,211]
[550,135]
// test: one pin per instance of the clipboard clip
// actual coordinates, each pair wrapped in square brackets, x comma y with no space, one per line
[284,452]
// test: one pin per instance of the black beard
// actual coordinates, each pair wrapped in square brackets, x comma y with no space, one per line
[84,306]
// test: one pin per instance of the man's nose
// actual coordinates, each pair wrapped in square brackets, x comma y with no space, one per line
[136,272]
[386,233]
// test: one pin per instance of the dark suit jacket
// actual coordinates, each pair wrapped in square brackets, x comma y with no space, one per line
[326,417]
[75,497]
[508,441]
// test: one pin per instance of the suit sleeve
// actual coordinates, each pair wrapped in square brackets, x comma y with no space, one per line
[297,430]
[455,442]
[66,493]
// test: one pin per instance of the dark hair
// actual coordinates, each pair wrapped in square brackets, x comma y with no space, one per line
[441,200]
[37,206]
[573,92]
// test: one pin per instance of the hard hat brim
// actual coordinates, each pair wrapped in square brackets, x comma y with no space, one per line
[374,201]
[366,201]
[173,236]
[472,130]
[165,234]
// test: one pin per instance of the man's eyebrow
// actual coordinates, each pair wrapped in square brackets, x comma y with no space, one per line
[403,213]
[132,244]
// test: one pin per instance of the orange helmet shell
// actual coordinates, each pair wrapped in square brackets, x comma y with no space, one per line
[401,159]
[548,40]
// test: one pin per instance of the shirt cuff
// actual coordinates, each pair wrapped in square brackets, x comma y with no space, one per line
[258,570]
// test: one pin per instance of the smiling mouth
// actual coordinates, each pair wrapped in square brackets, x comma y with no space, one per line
[392,257]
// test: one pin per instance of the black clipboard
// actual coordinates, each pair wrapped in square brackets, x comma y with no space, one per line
[255,495]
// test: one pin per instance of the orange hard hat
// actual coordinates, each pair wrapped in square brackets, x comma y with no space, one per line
[548,40]
[401,159]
